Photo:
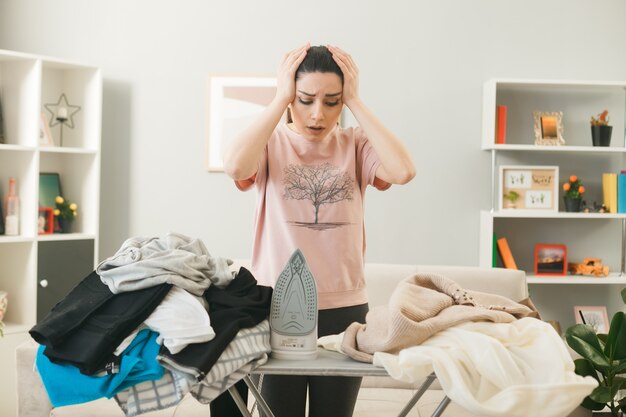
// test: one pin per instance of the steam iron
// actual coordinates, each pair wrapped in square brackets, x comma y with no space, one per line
[293,314]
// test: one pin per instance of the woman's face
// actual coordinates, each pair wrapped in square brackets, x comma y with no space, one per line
[317,106]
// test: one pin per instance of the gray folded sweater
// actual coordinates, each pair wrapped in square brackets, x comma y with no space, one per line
[176,259]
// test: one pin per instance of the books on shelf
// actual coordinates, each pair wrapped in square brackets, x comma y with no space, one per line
[609,191]
[621,192]
[500,124]
[505,254]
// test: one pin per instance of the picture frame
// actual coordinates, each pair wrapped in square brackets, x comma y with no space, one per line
[550,259]
[595,316]
[45,135]
[548,128]
[233,102]
[45,221]
[49,188]
[529,187]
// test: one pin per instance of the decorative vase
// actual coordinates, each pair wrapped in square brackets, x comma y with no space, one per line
[65,225]
[601,135]
[573,204]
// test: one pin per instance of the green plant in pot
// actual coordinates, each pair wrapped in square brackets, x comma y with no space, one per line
[603,358]
[511,197]
[573,194]
[600,129]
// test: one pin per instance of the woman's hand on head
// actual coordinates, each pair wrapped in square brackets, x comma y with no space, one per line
[286,78]
[350,74]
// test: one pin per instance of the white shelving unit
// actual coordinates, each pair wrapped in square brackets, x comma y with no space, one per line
[585,234]
[27,82]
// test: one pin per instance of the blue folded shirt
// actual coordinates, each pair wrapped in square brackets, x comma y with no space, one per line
[66,385]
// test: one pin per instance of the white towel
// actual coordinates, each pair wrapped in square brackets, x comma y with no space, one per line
[515,369]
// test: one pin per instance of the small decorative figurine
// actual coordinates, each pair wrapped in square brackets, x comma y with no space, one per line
[590,266]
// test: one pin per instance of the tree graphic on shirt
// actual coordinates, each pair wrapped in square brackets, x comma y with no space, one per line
[321,184]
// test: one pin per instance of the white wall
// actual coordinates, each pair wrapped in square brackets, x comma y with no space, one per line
[423,64]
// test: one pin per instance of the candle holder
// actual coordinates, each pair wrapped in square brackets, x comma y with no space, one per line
[61,121]
[62,114]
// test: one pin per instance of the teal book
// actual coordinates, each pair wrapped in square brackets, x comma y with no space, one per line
[494,255]
[621,192]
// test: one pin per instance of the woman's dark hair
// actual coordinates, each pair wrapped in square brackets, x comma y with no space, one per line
[319,59]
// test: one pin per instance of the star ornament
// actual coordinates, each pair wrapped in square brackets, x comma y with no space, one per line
[62,112]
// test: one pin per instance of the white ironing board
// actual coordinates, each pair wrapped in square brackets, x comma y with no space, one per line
[327,363]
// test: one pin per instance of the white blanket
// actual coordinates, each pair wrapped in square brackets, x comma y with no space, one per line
[512,369]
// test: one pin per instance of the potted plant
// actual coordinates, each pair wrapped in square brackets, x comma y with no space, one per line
[573,196]
[511,197]
[603,358]
[600,129]
[65,213]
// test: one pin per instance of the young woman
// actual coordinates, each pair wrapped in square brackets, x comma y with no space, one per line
[311,176]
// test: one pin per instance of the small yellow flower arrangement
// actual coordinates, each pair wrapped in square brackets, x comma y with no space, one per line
[64,209]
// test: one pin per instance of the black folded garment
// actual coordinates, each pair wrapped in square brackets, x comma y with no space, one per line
[89,323]
[242,304]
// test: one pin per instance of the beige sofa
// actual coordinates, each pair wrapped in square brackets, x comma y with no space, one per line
[379,397]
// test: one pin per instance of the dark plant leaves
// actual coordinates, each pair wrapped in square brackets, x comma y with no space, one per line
[583,367]
[616,343]
[584,341]
[601,394]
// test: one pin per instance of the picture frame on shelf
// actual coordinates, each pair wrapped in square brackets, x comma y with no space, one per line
[529,187]
[45,221]
[548,128]
[550,259]
[49,188]
[595,316]
[233,103]
[45,135]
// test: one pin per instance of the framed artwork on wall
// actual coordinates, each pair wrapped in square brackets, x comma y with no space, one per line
[550,259]
[595,316]
[529,188]
[233,102]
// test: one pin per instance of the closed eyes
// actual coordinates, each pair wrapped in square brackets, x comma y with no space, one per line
[328,103]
